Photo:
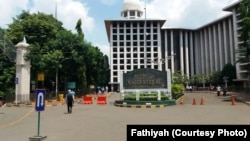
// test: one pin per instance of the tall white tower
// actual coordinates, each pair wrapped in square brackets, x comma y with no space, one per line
[22,73]
[131,9]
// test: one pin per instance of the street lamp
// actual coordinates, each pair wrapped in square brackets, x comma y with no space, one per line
[57,75]
[225,78]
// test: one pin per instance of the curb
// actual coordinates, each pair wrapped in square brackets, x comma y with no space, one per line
[141,106]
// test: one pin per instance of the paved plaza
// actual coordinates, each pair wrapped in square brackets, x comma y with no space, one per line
[93,122]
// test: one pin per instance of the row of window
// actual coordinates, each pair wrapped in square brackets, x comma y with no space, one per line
[135,61]
[129,67]
[130,24]
[141,43]
[136,55]
[136,30]
[135,49]
[134,37]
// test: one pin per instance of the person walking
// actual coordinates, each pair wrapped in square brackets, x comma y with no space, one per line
[218,89]
[70,101]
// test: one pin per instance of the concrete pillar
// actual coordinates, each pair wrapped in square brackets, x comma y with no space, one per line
[22,90]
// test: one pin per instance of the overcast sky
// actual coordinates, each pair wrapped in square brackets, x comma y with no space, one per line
[178,13]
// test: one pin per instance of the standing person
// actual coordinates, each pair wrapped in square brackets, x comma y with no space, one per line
[218,89]
[69,101]
[73,94]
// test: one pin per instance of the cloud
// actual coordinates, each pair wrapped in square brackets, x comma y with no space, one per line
[68,11]
[9,8]
[186,13]
[177,13]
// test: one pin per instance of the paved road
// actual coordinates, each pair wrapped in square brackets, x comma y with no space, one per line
[108,123]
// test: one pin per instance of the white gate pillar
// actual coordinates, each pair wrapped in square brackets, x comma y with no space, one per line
[22,90]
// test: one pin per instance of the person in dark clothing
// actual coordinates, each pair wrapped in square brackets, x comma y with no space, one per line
[224,91]
[69,101]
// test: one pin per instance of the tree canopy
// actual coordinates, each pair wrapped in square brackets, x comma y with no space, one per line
[53,48]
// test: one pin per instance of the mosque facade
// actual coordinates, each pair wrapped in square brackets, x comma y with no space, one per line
[137,42]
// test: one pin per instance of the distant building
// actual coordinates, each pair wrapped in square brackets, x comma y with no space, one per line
[138,42]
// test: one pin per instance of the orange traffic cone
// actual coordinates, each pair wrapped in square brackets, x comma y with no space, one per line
[233,100]
[202,101]
[194,101]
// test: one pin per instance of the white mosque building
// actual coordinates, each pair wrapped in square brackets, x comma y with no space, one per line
[138,42]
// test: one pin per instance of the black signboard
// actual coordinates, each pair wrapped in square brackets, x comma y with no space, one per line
[145,79]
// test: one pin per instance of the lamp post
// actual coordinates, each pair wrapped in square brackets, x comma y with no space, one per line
[57,75]
[225,78]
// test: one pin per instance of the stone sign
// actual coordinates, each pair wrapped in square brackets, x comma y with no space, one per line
[145,79]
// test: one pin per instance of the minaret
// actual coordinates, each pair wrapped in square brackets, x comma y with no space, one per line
[22,73]
[131,9]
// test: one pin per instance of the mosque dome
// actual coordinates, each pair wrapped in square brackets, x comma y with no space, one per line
[131,5]
[131,9]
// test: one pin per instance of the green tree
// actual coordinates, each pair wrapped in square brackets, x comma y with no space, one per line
[228,71]
[244,49]
[79,29]
[53,48]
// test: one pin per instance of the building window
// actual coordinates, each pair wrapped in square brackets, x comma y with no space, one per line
[134,24]
[121,31]
[132,13]
[148,49]
[121,61]
[128,37]
[115,67]
[114,49]
[121,37]
[155,43]
[127,24]
[128,61]
[148,37]
[114,24]
[127,30]
[115,73]
[121,25]
[134,37]
[114,55]
[155,49]
[154,37]
[141,43]
[121,49]
[114,79]
[114,61]
[141,37]
[121,43]
[134,43]
[135,31]
[114,37]
[125,14]
[114,43]
[128,44]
